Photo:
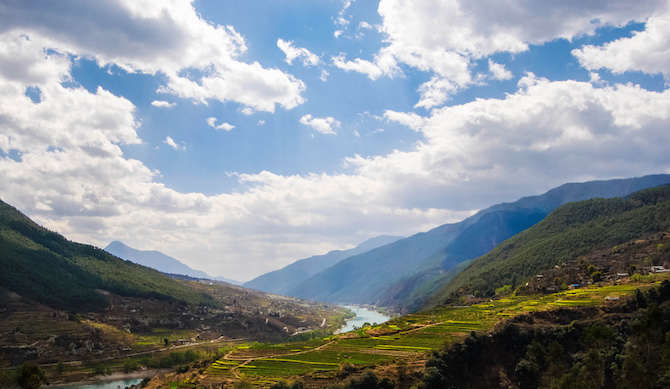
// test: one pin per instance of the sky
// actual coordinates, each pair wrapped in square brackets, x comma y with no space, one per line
[239,136]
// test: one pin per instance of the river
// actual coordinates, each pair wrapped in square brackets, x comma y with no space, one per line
[102,384]
[363,316]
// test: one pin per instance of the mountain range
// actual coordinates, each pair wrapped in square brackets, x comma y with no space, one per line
[405,273]
[159,261]
[283,280]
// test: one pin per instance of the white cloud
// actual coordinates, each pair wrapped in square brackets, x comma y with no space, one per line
[444,37]
[411,120]
[322,125]
[324,75]
[365,25]
[372,70]
[292,53]
[435,92]
[647,51]
[223,126]
[499,71]
[545,134]
[162,104]
[157,37]
[170,142]
[261,122]
[247,111]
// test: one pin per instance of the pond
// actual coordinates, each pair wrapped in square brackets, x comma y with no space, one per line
[363,315]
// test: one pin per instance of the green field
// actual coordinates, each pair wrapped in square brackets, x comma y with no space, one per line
[411,336]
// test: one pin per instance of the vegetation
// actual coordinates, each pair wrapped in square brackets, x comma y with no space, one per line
[569,232]
[592,352]
[46,267]
[25,376]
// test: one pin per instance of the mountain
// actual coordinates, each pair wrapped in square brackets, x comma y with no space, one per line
[159,261]
[568,233]
[407,272]
[44,266]
[282,280]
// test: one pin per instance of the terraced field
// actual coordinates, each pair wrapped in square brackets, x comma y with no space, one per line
[409,338]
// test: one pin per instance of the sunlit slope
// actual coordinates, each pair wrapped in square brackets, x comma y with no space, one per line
[570,231]
[44,266]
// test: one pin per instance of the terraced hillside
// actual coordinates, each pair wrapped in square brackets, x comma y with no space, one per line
[406,343]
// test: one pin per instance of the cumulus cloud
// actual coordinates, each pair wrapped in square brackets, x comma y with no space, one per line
[162,104]
[551,131]
[499,71]
[445,37]
[170,142]
[411,120]
[199,60]
[372,70]
[435,92]
[322,125]
[647,51]
[223,126]
[292,53]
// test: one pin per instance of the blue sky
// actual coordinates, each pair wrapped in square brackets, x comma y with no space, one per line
[239,136]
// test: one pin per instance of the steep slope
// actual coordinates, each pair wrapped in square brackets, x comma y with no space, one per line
[44,266]
[159,261]
[569,232]
[283,280]
[409,271]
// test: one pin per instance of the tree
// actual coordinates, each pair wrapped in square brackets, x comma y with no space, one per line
[30,376]
[597,276]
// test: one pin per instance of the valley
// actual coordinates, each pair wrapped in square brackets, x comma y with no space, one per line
[598,262]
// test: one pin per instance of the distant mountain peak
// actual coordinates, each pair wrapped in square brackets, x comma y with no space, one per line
[159,261]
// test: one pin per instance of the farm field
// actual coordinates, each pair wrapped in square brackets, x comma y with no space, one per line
[410,338]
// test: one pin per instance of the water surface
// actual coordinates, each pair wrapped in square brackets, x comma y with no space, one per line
[363,316]
[102,384]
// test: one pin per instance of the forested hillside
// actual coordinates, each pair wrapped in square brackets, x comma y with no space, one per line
[569,232]
[44,266]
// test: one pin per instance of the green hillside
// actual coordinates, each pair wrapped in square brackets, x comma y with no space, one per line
[44,266]
[569,232]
